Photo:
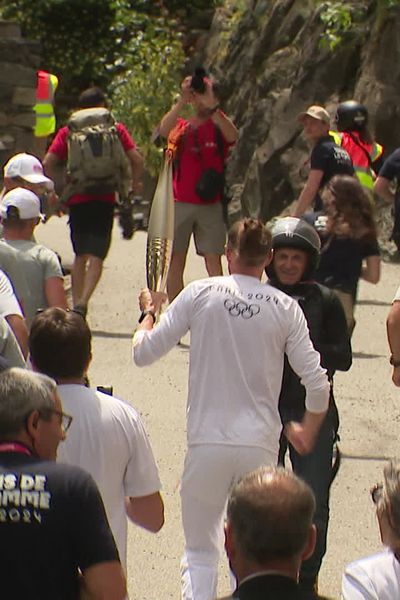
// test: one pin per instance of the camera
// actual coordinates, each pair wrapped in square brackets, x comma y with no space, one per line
[198,84]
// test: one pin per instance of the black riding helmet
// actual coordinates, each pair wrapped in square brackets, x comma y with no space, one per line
[351,116]
[291,232]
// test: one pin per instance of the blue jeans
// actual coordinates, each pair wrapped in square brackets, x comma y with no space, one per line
[316,469]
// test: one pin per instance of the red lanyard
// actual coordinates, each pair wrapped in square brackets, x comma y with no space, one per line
[15,447]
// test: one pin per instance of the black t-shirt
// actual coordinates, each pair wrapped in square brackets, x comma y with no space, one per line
[333,160]
[52,522]
[391,166]
[341,258]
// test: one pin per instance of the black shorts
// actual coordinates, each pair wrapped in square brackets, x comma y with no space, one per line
[91,227]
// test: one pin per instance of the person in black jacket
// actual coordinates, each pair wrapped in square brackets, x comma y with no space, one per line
[296,253]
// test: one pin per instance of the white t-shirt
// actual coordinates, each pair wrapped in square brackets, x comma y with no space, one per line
[9,347]
[240,329]
[107,439]
[375,577]
[397,296]
[9,304]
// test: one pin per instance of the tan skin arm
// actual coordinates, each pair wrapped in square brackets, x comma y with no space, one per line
[50,163]
[20,330]
[136,162]
[150,301]
[303,435]
[146,511]
[168,121]
[55,293]
[104,581]
[393,335]
[226,126]
[371,270]
[308,193]
[382,189]
[208,101]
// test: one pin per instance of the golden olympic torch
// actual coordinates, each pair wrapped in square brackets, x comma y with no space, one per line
[160,234]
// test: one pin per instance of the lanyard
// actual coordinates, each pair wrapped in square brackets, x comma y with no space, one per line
[15,447]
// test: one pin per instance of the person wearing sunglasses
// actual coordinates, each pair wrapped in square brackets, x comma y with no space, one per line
[377,577]
[56,540]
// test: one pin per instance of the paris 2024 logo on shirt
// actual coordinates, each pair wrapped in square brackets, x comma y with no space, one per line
[241,309]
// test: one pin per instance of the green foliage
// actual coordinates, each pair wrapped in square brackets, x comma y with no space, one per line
[341,19]
[145,92]
[344,19]
[74,35]
[131,48]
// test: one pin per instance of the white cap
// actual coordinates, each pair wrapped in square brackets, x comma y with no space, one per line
[26,166]
[27,203]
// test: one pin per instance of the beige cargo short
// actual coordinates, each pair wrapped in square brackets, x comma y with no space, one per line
[205,222]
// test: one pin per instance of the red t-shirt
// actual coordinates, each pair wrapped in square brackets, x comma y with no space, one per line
[59,147]
[199,151]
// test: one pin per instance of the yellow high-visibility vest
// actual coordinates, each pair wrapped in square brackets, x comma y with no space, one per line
[44,107]
[361,164]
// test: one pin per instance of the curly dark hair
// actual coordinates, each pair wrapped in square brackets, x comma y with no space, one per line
[349,208]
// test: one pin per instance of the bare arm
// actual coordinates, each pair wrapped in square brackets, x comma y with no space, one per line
[308,193]
[168,121]
[20,330]
[103,581]
[136,162]
[226,126]
[393,335]
[146,511]
[382,189]
[55,293]
[303,435]
[50,163]
[371,270]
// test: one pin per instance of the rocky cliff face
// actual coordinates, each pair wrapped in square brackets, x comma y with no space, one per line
[270,59]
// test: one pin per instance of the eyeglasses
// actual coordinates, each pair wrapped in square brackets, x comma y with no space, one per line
[65,419]
[377,493]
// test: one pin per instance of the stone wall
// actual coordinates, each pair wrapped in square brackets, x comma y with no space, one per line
[19,61]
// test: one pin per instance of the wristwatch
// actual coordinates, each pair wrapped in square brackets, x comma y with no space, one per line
[145,313]
[394,362]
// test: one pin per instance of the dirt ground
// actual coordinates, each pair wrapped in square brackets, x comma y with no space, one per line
[366,397]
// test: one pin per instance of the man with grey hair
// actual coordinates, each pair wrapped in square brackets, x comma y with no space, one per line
[55,536]
[377,577]
[269,531]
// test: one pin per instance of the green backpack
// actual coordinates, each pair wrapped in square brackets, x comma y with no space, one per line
[97,163]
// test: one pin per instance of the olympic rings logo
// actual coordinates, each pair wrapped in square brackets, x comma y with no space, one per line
[241,309]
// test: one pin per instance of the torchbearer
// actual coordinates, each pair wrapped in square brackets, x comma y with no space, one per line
[233,422]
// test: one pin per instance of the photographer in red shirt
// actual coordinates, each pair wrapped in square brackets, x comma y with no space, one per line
[200,148]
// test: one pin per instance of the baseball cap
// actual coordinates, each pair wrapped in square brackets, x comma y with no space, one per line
[316,112]
[27,203]
[26,166]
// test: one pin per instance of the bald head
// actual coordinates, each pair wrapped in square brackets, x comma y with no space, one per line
[270,514]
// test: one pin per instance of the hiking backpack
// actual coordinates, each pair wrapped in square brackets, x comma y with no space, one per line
[97,163]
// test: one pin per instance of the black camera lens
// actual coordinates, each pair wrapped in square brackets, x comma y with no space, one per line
[197,84]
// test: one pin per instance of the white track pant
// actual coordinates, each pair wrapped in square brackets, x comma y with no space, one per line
[209,473]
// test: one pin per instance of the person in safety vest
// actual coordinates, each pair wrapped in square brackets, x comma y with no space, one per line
[354,136]
[44,109]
